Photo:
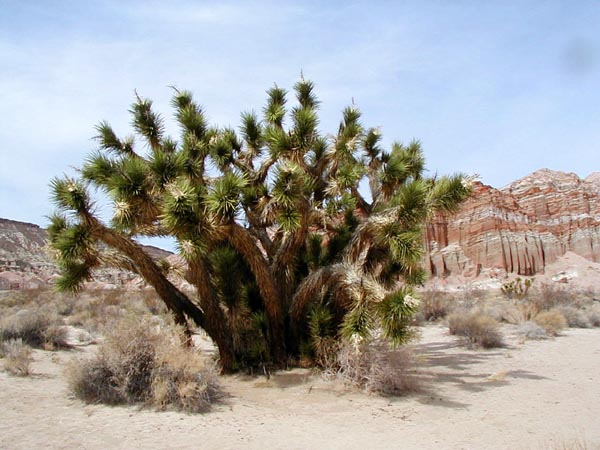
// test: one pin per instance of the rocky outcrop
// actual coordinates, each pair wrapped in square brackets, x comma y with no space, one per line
[25,262]
[520,228]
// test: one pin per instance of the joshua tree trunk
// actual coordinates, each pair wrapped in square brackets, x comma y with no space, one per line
[241,240]
[175,300]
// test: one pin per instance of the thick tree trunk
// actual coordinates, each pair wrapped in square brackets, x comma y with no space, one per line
[241,240]
[175,300]
[216,324]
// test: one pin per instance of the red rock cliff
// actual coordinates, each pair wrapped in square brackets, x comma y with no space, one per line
[520,228]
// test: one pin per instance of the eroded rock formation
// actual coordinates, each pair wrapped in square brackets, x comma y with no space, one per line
[520,228]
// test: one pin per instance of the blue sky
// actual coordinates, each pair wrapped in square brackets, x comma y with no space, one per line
[499,88]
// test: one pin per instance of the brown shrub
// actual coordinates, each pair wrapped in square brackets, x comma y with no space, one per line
[520,311]
[377,368]
[326,350]
[97,310]
[477,328]
[434,305]
[94,381]
[142,362]
[594,317]
[17,357]
[531,330]
[550,296]
[39,329]
[183,381]
[552,321]
[576,318]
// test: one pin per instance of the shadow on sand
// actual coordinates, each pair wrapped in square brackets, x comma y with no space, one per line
[448,364]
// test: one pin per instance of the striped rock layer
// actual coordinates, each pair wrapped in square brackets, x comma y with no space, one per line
[520,228]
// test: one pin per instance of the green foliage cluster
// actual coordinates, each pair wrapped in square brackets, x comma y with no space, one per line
[279,236]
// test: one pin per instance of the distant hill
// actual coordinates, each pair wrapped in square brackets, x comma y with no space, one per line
[521,229]
[26,263]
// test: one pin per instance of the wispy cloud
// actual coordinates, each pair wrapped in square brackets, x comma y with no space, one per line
[484,86]
[208,13]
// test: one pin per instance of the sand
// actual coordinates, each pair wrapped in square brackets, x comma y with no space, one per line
[531,395]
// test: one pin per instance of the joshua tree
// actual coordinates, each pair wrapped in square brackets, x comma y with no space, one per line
[282,243]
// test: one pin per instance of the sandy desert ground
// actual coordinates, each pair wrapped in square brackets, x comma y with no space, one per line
[531,395]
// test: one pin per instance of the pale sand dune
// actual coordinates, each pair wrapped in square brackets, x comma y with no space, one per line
[528,396]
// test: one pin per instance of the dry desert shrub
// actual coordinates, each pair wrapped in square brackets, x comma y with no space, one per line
[476,327]
[553,321]
[17,357]
[142,362]
[594,316]
[434,305]
[531,330]
[576,318]
[520,311]
[378,368]
[182,382]
[550,296]
[474,295]
[39,329]
[326,351]
[98,309]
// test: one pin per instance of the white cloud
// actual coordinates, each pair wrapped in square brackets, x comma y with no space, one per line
[463,79]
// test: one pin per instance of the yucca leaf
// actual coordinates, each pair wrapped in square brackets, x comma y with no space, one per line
[73,275]
[130,179]
[320,322]
[447,193]
[305,124]
[191,119]
[252,131]
[166,166]
[74,242]
[224,196]
[58,223]
[146,122]
[98,169]
[179,209]
[278,141]
[358,322]
[371,141]
[395,312]
[305,93]
[289,219]
[274,111]
[70,194]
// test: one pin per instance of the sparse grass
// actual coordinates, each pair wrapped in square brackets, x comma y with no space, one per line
[574,444]
[553,321]
[17,357]
[379,369]
[476,327]
[142,362]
